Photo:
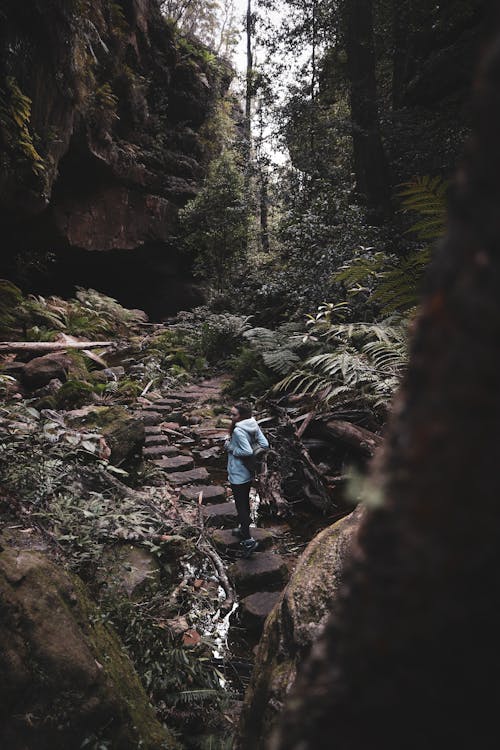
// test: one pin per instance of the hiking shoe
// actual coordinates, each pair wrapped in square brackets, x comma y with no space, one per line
[237,532]
[248,546]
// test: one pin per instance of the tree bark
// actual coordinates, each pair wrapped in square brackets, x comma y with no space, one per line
[370,163]
[411,656]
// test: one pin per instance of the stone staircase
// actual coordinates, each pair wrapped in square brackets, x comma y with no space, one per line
[187,446]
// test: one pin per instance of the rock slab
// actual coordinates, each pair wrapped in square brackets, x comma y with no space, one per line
[222,514]
[224,539]
[188,477]
[212,493]
[255,609]
[263,571]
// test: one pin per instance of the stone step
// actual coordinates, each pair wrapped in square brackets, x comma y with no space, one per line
[175,463]
[179,396]
[153,430]
[157,438]
[150,418]
[167,402]
[188,477]
[157,451]
[255,608]
[209,454]
[213,493]
[222,514]
[162,408]
[260,572]
[224,540]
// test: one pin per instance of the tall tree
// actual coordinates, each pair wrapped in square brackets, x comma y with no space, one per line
[370,163]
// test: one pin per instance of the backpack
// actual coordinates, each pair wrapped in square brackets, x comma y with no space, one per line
[253,462]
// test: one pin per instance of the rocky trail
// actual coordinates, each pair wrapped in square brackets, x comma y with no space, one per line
[183,439]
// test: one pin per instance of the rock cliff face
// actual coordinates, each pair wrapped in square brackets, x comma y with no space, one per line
[102,116]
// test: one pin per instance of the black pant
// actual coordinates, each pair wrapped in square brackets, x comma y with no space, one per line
[241,494]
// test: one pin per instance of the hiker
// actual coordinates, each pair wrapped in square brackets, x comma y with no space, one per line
[244,435]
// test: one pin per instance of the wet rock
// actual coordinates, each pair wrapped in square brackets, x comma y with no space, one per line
[213,493]
[176,463]
[222,514]
[65,674]
[224,539]
[262,571]
[188,477]
[293,626]
[254,609]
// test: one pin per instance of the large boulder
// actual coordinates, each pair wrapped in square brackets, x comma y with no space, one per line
[65,675]
[293,626]
[40,371]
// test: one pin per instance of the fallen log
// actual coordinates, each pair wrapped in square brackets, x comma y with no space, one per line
[356,437]
[49,346]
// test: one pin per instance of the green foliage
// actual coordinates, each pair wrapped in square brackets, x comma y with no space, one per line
[15,116]
[215,223]
[354,361]
[249,375]
[221,335]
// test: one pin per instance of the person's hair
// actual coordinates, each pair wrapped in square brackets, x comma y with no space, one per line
[245,411]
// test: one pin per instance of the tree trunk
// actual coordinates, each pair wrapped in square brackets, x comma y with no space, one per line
[411,657]
[248,90]
[370,164]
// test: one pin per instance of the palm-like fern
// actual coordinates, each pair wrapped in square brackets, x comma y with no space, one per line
[365,364]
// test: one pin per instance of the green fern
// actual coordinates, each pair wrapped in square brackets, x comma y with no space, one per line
[365,363]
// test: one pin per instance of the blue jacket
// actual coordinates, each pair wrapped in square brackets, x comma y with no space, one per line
[246,435]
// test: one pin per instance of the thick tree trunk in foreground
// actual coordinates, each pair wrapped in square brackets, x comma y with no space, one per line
[370,164]
[411,658]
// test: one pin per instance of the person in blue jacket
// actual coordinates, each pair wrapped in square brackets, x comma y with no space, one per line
[244,435]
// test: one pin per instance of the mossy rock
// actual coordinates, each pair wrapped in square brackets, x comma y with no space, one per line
[65,675]
[293,626]
[73,394]
[123,433]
